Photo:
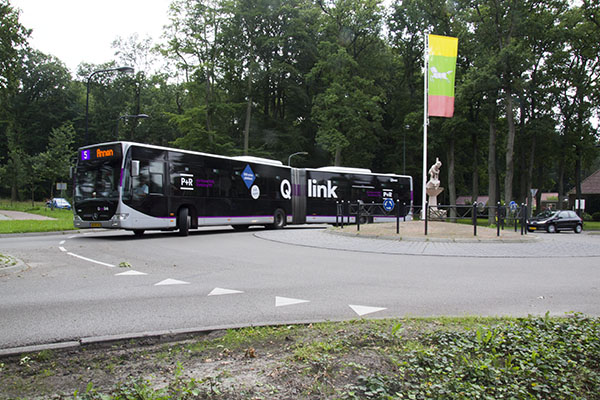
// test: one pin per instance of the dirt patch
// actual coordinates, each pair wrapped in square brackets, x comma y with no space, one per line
[306,361]
[435,230]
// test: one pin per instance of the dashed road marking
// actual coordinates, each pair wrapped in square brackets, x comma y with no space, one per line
[221,291]
[90,260]
[170,281]
[62,248]
[287,301]
[131,273]
[364,310]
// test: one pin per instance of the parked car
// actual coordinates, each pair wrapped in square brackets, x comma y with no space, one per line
[554,221]
[58,202]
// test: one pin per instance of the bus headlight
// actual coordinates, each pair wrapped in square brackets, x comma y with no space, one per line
[120,217]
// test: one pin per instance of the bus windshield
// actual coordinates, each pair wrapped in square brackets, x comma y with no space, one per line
[97,180]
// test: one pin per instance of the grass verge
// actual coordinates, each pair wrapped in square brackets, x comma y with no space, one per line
[443,358]
[63,219]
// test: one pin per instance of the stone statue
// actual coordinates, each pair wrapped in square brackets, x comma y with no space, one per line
[433,190]
[434,175]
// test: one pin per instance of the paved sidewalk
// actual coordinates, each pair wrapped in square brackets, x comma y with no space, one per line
[538,245]
[11,215]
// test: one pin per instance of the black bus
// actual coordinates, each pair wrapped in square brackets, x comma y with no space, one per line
[138,187]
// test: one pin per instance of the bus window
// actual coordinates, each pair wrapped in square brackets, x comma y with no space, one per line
[149,181]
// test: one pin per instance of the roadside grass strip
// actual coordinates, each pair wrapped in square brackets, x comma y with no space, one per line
[409,358]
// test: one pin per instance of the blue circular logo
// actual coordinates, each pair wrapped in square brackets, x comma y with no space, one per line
[388,205]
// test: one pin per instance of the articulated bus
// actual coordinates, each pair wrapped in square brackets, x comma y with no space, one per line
[138,187]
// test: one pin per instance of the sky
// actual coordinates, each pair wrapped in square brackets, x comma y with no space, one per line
[78,31]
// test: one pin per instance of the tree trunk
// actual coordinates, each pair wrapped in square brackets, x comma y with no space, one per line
[577,180]
[492,169]
[248,114]
[338,157]
[510,147]
[561,179]
[530,174]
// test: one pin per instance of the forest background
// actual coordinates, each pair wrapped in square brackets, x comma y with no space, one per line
[339,79]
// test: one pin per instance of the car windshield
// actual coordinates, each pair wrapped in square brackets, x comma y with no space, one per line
[546,214]
[61,202]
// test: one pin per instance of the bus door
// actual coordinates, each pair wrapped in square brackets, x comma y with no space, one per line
[147,190]
[298,196]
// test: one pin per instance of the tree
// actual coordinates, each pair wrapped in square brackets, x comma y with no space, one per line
[54,163]
[348,109]
[13,40]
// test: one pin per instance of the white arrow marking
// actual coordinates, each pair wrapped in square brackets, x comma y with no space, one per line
[171,282]
[286,301]
[364,310]
[131,273]
[219,291]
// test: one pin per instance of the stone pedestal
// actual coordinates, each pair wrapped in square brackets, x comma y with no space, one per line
[432,194]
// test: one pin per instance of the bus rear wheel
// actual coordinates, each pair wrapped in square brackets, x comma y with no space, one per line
[138,232]
[183,222]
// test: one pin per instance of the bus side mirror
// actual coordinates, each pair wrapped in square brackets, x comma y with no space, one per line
[135,168]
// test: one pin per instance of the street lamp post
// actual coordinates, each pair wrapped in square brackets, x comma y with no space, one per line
[137,116]
[128,70]
[296,154]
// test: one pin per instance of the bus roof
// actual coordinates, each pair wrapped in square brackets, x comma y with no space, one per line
[257,160]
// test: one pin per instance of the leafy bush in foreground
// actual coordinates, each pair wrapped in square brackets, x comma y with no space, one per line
[533,358]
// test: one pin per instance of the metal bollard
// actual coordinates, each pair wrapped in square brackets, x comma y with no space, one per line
[398,216]
[475,219]
[426,212]
[498,218]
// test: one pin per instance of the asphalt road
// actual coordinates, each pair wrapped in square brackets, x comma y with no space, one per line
[71,287]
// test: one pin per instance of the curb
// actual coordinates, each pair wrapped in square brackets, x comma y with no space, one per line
[532,239]
[162,336]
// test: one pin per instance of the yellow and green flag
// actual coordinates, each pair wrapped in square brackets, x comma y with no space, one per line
[441,70]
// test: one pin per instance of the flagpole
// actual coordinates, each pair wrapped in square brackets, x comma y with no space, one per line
[425,118]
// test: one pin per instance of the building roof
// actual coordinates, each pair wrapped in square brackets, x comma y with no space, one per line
[461,200]
[590,185]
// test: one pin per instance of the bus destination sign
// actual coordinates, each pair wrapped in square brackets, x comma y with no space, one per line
[98,153]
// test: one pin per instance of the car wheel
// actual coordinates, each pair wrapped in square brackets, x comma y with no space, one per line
[578,228]
[551,228]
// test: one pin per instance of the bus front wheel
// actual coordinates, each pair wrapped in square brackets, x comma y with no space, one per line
[183,222]
[138,232]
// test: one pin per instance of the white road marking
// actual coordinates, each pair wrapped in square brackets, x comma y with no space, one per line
[62,248]
[62,242]
[220,291]
[90,260]
[72,237]
[286,301]
[171,282]
[364,310]
[131,273]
